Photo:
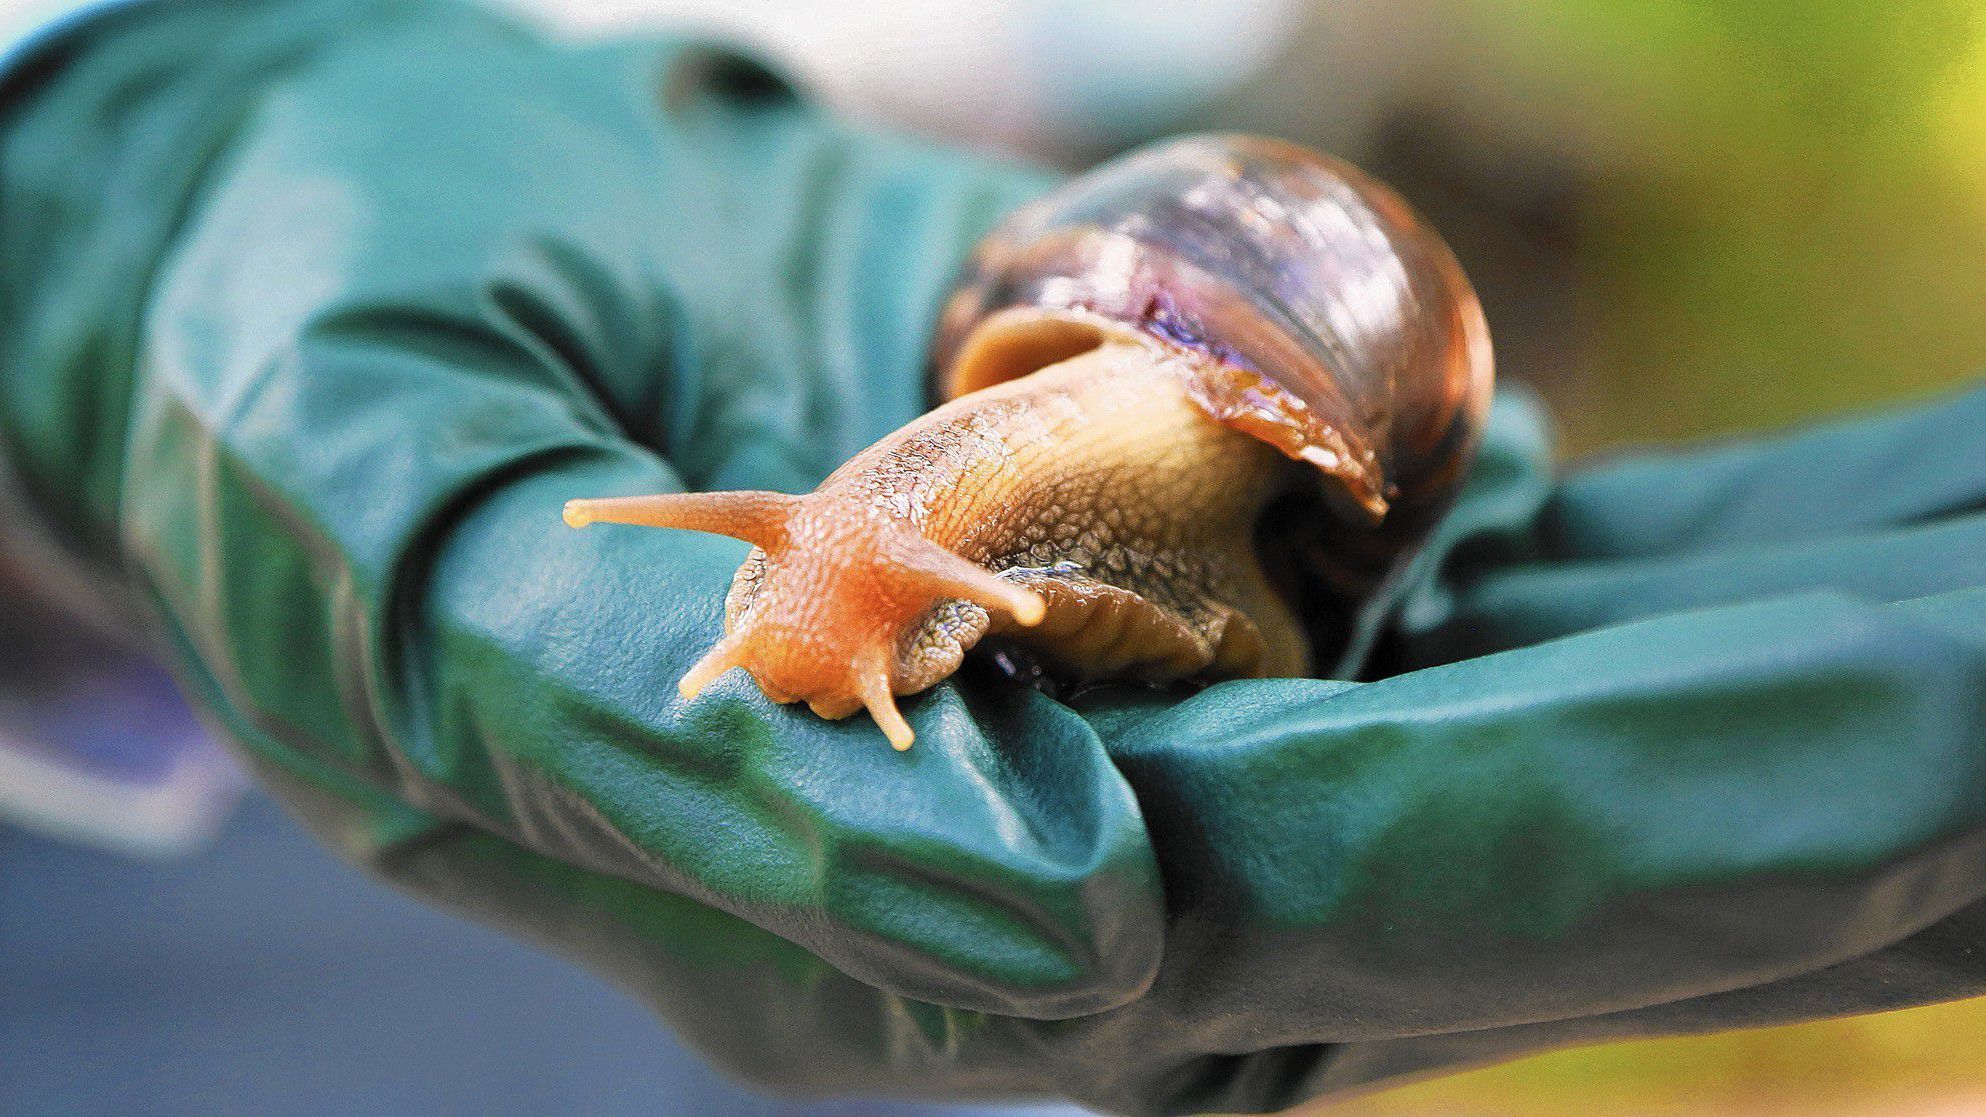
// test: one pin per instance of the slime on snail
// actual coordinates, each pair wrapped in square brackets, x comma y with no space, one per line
[1137,368]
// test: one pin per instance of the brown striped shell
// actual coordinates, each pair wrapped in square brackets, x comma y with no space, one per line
[1318,312]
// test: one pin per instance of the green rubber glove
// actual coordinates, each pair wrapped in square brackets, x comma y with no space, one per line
[314,313]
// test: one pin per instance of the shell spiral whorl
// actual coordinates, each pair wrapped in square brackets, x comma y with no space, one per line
[1325,312]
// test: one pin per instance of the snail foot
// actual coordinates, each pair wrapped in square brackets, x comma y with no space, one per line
[1096,630]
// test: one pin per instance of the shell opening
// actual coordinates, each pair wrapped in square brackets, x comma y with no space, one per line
[1013,343]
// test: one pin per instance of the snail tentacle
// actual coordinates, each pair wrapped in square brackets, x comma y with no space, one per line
[873,683]
[722,657]
[757,517]
[920,562]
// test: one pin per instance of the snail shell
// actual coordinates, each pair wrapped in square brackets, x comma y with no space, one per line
[1320,313]
[1139,368]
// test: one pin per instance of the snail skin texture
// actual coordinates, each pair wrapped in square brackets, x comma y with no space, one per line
[1138,368]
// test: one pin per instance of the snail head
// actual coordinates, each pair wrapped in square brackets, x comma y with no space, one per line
[832,606]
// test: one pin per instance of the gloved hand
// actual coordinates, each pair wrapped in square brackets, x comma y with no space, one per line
[314,314]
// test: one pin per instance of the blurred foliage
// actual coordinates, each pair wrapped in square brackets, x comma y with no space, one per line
[1919,1062]
[1782,207]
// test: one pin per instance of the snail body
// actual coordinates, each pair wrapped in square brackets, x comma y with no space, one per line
[1137,366]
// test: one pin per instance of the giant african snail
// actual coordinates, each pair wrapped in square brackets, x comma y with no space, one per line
[1136,365]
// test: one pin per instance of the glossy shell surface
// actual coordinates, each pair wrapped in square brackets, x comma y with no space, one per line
[1310,307]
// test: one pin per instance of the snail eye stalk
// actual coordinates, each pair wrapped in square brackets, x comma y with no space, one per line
[758,518]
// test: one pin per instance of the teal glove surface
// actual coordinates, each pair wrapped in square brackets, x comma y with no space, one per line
[315,316]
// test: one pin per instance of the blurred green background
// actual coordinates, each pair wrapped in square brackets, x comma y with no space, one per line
[1686,216]
[1921,1063]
